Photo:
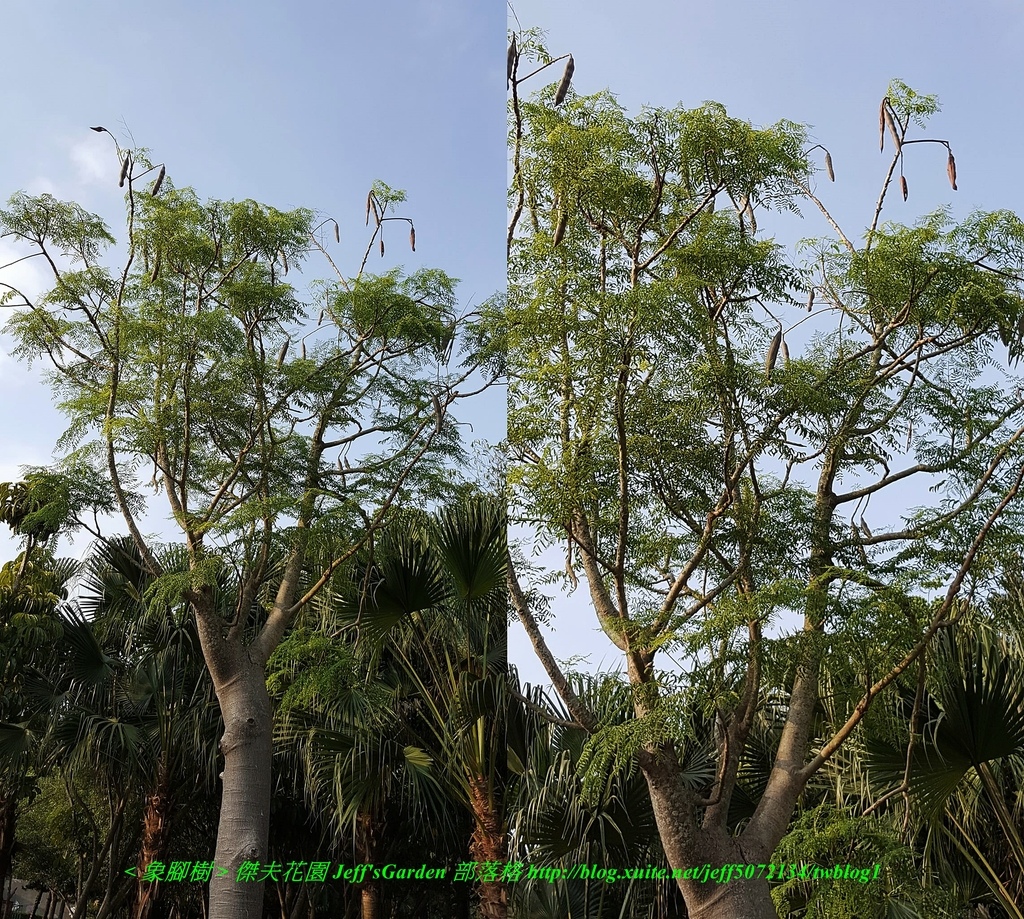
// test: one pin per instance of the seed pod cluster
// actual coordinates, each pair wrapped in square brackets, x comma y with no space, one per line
[563,86]
[159,180]
[951,170]
[511,61]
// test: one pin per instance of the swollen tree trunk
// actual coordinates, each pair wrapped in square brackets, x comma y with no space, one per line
[688,846]
[245,802]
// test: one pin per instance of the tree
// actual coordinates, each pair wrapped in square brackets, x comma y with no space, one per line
[421,703]
[178,361]
[710,477]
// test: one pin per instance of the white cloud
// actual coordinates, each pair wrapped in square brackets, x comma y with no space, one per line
[41,185]
[93,159]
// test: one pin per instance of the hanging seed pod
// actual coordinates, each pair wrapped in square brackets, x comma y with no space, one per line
[855,538]
[284,261]
[412,237]
[749,213]
[865,529]
[156,267]
[828,166]
[125,166]
[810,300]
[99,129]
[891,125]
[438,413]
[903,186]
[785,352]
[337,232]
[951,170]
[369,201]
[321,319]
[382,247]
[303,350]
[881,125]
[511,61]
[159,180]
[773,353]
[910,435]
[563,87]
[563,222]
[283,352]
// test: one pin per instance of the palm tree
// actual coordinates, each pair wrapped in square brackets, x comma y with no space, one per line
[403,703]
[165,685]
[31,587]
[433,593]
[963,770]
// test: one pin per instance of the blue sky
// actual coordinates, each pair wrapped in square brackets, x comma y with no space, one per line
[289,104]
[826,65]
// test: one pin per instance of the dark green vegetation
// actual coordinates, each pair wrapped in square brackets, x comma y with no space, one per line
[790,488]
[389,739]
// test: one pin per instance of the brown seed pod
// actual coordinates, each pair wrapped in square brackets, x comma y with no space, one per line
[159,180]
[891,125]
[773,352]
[511,61]
[382,247]
[563,222]
[881,124]
[337,232]
[749,213]
[284,261]
[828,166]
[412,237]
[369,201]
[951,170]
[563,87]
[156,267]
[785,352]
[855,539]
[903,186]
[125,166]
[810,300]
[865,529]
[283,352]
